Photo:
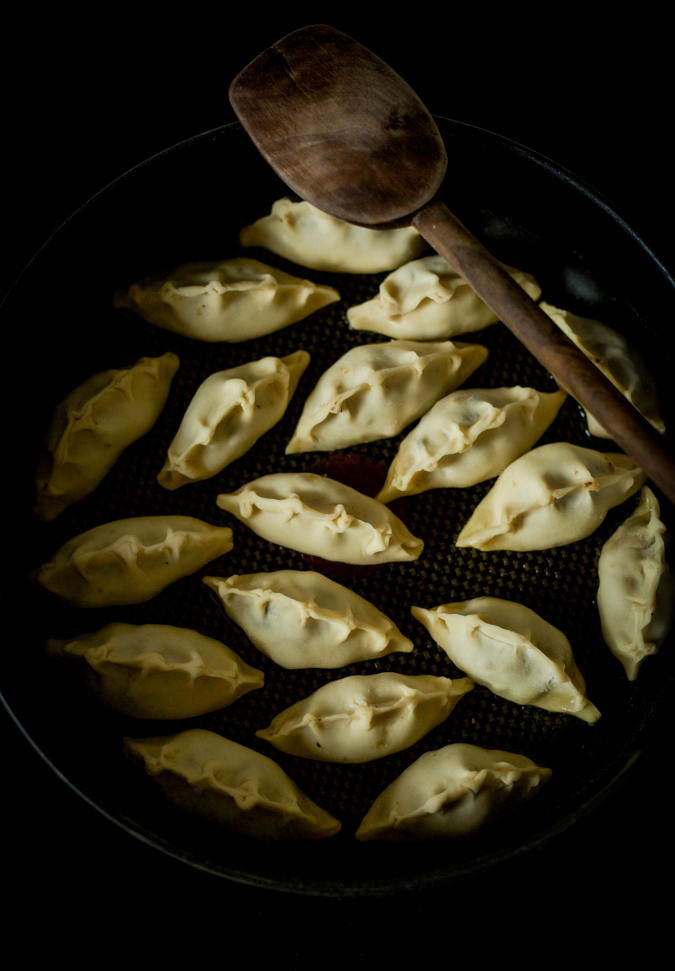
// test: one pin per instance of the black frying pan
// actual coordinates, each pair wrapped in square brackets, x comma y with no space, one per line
[606,246]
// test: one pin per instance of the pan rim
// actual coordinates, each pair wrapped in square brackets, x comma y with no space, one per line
[623,761]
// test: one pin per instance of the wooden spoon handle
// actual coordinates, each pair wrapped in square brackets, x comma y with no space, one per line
[543,338]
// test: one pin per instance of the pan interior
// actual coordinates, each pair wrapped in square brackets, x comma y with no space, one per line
[188,204]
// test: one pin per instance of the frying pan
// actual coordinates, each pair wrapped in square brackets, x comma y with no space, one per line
[511,217]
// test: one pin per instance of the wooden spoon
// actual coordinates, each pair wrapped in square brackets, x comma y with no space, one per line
[347,134]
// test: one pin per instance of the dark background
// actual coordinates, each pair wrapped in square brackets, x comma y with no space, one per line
[86,102]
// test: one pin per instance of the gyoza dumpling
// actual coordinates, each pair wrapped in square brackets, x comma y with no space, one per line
[204,773]
[228,414]
[301,619]
[514,652]
[234,300]
[129,561]
[319,516]
[365,717]
[618,360]
[553,495]
[451,792]
[469,436]
[637,589]
[306,235]
[157,671]
[375,390]
[94,424]
[428,300]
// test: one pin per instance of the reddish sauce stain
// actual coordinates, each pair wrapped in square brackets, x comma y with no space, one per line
[366,476]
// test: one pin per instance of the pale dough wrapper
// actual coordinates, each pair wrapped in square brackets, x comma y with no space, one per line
[637,588]
[452,793]
[204,773]
[427,300]
[469,436]
[94,424]
[305,235]
[228,414]
[302,619]
[365,717]
[319,516]
[158,671]
[375,390]
[553,495]
[235,300]
[511,650]
[618,360]
[129,561]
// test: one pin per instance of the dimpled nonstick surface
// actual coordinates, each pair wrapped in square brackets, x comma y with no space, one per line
[560,584]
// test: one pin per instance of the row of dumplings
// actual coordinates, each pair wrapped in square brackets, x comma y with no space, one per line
[161,672]
[549,496]
[154,671]
[351,404]
[450,792]
[131,561]
[423,299]
[360,716]
[302,619]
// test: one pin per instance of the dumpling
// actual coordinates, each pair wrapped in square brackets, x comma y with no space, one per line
[618,360]
[637,589]
[227,416]
[94,424]
[365,717]
[301,619]
[452,792]
[130,561]
[428,300]
[157,671]
[469,436]
[319,516]
[375,390]
[306,235]
[235,300]
[553,495]
[511,650]
[204,773]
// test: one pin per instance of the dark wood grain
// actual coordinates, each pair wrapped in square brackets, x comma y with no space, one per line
[544,339]
[340,127]
[347,134]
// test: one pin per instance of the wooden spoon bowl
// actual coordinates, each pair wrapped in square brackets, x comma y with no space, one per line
[346,133]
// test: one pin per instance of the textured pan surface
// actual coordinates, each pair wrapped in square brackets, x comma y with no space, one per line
[189,204]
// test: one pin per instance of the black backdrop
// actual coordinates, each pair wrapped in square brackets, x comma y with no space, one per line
[87,103]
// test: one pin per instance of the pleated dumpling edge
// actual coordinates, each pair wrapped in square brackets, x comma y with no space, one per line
[321,517]
[204,773]
[553,495]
